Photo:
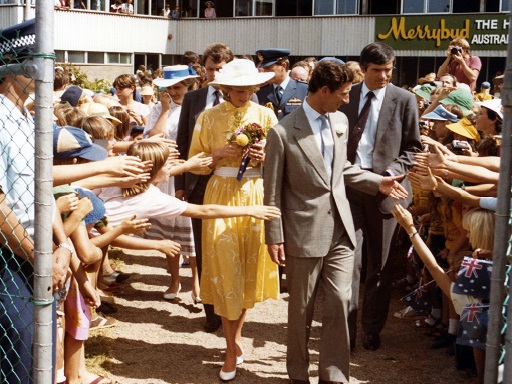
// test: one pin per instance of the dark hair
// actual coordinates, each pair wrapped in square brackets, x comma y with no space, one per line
[494,116]
[218,53]
[125,81]
[189,58]
[331,74]
[376,53]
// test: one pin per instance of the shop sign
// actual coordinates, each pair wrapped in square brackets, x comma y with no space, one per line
[484,32]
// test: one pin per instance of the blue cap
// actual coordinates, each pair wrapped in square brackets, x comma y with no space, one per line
[98,206]
[72,95]
[71,142]
[332,59]
[269,56]
[440,113]
[486,84]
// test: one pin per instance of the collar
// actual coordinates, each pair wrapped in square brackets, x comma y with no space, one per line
[379,93]
[211,90]
[311,114]
[284,84]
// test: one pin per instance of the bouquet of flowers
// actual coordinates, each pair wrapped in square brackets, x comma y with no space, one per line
[245,136]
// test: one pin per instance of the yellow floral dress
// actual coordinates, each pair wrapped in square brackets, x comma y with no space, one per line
[237,270]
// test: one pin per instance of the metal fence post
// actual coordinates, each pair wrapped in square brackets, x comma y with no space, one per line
[501,238]
[43,309]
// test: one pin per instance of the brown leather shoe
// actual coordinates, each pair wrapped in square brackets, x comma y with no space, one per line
[371,341]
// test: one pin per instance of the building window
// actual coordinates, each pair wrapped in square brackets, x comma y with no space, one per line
[253,8]
[466,6]
[426,6]
[505,6]
[76,56]
[294,7]
[96,57]
[60,56]
[189,8]
[336,7]
[125,58]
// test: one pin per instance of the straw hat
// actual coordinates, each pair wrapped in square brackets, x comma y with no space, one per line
[147,90]
[174,74]
[464,128]
[241,73]
[97,109]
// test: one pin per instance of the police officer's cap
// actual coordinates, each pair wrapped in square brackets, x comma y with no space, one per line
[269,56]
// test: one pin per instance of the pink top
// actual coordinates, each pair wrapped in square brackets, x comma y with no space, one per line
[209,13]
[455,69]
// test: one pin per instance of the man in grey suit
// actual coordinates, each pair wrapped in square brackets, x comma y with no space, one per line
[384,142]
[189,186]
[306,171]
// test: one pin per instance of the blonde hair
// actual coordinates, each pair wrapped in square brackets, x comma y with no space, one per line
[356,68]
[97,127]
[121,130]
[71,116]
[157,153]
[107,100]
[480,224]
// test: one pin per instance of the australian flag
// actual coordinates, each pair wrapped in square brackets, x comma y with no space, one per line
[473,325]
[474,278]
[419,299]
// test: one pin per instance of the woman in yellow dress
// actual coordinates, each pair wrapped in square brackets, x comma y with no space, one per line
[237,270]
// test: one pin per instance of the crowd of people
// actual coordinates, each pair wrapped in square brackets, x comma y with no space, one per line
[172,160]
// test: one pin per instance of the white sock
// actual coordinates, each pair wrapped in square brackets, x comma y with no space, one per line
[453,326]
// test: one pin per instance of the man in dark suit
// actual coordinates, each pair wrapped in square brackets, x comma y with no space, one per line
[282,93]
[384,136]
[189,186]
[306,171]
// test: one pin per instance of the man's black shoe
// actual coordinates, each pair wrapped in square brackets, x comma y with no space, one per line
[371,341]
[212,325]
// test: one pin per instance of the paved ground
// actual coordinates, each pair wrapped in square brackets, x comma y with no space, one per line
[162,342]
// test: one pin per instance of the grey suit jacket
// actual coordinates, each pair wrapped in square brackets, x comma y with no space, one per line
[397,138]
[296,181]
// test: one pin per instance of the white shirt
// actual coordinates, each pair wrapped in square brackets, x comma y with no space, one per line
[316,126]
[210,97]
[17,161]
[364,153]
[173,117]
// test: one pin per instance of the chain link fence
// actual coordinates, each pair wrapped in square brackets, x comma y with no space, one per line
[26,134]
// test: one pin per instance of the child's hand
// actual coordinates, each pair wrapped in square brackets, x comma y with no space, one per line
[85,206]
[169,247]
[131,226]
[198,162]
[264,212]
[67,203]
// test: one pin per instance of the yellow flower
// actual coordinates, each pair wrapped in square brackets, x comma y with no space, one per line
[242,140]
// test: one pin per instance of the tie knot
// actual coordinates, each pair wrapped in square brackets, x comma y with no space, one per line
[324,120]
[370,95]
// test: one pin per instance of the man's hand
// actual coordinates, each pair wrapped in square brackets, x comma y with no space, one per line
[391,187]
[276,252]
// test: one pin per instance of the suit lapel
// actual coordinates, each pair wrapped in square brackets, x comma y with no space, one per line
[271,96]
[340,134]
[386,111]
[306,141]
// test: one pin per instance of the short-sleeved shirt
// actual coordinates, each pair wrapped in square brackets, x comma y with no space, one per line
[455,69]
[148,204]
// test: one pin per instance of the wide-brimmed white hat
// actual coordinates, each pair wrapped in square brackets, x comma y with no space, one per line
[241,73]
[174,74]
[493,105]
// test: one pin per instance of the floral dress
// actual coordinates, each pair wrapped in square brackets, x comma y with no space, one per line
[237,269]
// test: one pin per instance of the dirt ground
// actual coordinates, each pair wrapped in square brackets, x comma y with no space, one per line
[156,341]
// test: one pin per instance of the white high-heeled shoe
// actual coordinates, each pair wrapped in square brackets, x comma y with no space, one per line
[240,359]
[196,299]
[227,376]
[172,295]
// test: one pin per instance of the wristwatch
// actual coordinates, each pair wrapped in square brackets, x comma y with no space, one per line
[411,235]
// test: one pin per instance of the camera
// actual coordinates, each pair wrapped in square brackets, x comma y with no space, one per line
[456,50]
[458,146]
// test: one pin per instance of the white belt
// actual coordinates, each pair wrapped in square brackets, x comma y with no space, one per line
[233,172]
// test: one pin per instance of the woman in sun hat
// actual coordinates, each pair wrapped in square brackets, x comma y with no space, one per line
[177,80]
[237,270]
[209,11]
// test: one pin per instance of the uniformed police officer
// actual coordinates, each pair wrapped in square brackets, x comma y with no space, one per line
[282,93]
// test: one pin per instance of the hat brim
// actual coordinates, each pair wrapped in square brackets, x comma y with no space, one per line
[465,111]
[161,82]
[246,80]
[93,153]
[432,116]
[460,130]
[492,107]
[424,95]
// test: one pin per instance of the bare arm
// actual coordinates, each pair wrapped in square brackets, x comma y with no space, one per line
[14,234]
[213,211]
